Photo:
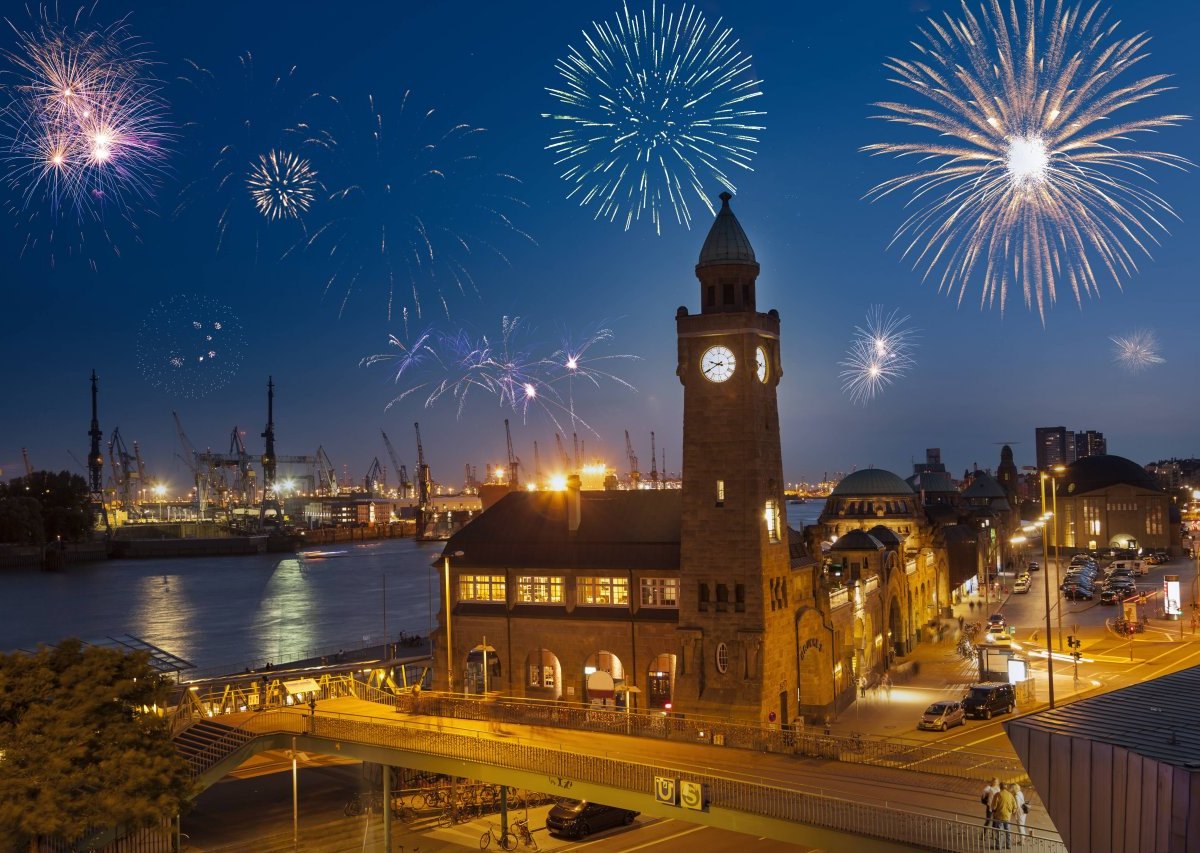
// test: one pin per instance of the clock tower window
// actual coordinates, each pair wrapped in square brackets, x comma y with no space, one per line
[771,513]
[720,493]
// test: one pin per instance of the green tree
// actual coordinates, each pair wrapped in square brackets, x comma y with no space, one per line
[80,747]
[62,498]
[21,521]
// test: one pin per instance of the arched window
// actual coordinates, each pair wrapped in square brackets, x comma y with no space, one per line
[722,658]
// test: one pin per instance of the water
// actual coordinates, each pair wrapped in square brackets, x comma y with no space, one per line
[225,613]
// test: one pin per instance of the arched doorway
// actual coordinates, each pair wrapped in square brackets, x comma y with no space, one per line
[543,675]
[895,638]
[475,678]
[660,681]
[604,679]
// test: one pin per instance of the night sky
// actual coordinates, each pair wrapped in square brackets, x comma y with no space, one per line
[980,378]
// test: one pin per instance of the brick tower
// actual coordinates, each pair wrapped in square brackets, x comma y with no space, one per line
[736,650]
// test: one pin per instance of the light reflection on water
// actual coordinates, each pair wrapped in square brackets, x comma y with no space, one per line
[228,611]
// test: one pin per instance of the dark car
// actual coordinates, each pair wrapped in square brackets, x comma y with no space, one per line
[579,818]
[1117,594]
[996,622]
[989,698]
[1034,567]
[1078,593]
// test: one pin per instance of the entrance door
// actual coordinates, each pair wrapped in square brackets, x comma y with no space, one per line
[784,719]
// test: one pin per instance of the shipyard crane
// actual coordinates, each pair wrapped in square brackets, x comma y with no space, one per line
[425,519]
[575,438]
[269,462]
[95,465]
[635,476]
[28,467]
[245,485]
[514,464]
[191,459]
[537,466]
[376,481]
[400,468]
[653,463]
[562,454]
[326,474]
[126,477]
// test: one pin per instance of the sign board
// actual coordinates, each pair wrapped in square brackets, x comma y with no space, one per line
[1130,611]
[600,686]
[664,789]
[691,795]
[1172,608]
[301,685]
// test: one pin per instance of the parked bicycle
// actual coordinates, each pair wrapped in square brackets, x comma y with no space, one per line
[360,802]
[520,828]
[506,840]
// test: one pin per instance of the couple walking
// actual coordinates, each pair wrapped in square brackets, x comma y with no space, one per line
[1004,805]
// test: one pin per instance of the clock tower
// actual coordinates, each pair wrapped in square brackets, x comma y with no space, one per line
[735,623]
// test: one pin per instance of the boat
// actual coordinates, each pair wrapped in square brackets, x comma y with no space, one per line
[321,555]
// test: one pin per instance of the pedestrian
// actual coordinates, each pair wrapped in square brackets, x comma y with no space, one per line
[862,686]
[1004,806]
[960,622]
[989,791]
[1022,812]
[887,685]
[971,604]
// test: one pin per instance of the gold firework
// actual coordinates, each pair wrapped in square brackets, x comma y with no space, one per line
[1033,183]
[282,185]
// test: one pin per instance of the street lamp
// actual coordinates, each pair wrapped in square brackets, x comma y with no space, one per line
[449,638]
[160,492]
[1057,469]
[486,650]
[1046,590]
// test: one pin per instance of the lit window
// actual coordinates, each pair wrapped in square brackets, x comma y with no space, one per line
[539,590]
[722,658]
[660,592]
[604,591]
[720,492]
[481,588]
[772,516]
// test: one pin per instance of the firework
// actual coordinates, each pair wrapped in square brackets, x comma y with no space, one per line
[1034,183]
[190,346]
[1137,351]
[880,353]
[656,107]
[415,208]
[282,185]
[255,130]
[83,130]
[512,367]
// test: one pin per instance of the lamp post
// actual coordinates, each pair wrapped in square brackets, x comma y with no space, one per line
[449,637]
[486,650]
[1046,590]
[1057,469]
[160,492]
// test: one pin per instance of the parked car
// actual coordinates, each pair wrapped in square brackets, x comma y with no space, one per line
[1117,594]
[996,622]
[579,818]
[942,715]
[989,698]
[1033,567]
[1022,584]
[1078,593]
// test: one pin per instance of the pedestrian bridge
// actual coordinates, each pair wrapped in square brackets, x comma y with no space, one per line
[597,755]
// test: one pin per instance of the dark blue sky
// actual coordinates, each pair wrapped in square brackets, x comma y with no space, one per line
[981,378]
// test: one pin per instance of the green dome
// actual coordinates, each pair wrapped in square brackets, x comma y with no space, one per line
[872,482]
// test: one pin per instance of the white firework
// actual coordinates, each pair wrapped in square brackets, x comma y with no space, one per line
[880,353]
[1137,351]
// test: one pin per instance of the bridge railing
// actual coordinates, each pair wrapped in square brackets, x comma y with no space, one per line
[738,794]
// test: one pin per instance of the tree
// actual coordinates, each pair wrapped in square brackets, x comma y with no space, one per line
[21,521]
[61,498]
[80,745]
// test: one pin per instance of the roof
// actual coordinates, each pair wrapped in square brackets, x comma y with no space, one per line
[984,486]
[634,529]
[885,535]
[726,243]
[1093,473]
[871,482]
[933,482]
[1155,719]
[857,540]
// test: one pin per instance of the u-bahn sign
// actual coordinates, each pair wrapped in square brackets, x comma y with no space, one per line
[691,795]
[664,789]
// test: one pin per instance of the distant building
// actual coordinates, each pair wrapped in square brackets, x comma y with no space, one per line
[1090,443]
[1112,502]
[1061,446]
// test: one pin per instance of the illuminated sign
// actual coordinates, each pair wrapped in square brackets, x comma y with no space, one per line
[1172,608]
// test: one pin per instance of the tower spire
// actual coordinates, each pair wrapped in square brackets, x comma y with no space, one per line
[727,268]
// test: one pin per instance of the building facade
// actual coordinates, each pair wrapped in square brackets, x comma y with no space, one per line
[1112,502]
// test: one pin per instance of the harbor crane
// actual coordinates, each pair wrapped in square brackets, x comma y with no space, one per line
[191,459]
[95,467]
[537,466]
[562,454]
[653,463]
[635,476]
[126,477]
[399,467]
[326,474]
[514,464]
[425,516]
[575,438]
[376,482]
[269,511]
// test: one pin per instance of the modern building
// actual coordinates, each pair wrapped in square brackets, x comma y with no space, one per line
[1090,443]
[1061,446]
[1112,502]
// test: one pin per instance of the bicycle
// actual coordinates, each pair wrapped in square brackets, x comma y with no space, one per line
[506,840]
[369,801]
[520,828]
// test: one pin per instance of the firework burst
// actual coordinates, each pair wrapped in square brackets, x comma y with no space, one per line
[513,368]
[83,130]
[880,353]
[415,206]
[1137,351]
[1035,185]
[655,107]
[190,346]
[254,129]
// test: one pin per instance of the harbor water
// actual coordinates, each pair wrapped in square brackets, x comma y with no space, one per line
[227,613]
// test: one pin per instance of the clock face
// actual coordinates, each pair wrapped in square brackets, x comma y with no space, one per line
[760,357]
[717,363]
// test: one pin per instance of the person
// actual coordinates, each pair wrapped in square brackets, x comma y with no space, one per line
[960,621]
[887,685]
[862,686]
[1022,812]
[1004,806]
[971,604]
[989,791]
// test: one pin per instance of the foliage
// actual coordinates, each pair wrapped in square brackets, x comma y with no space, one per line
[77,749]
[61,500]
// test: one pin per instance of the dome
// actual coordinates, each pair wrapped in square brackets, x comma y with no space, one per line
[857,540]
[726,242]
[886,536]
[871,482]
[984,486]
[1099,472]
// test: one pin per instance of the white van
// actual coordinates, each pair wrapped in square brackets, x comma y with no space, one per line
[1138,567]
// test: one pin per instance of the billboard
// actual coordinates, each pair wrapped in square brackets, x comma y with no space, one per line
[1172,602]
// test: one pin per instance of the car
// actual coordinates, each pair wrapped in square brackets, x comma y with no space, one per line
[1022,584]
[1117,594]
[1078,593]
[1033,567]
[1119,574]
[996,623]
[580,818]
[942,715]
[989,698]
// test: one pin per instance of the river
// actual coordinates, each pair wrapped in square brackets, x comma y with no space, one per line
[227,613]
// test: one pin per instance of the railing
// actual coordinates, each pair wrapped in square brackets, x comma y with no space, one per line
[722,792]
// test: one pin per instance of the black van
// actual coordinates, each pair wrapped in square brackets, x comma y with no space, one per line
[990,697]
[579,818]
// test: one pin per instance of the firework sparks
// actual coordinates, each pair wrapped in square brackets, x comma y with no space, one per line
[512,368]
[416,208]
[282,185]
[880,353]
[84,129]
[1035,185]
[1137,351]
[656,106]
[190,346]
